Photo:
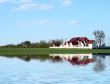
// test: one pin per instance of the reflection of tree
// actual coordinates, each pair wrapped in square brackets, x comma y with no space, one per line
[100,65]
[41,57]
[27,58]
[56,59]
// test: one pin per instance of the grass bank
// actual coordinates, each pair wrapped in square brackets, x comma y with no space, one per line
[35,51]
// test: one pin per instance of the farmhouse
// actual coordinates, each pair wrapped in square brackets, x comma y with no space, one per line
[77,42]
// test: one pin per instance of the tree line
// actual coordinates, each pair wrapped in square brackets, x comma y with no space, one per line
[41,44]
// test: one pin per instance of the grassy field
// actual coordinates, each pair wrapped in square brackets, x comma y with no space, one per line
[35,51]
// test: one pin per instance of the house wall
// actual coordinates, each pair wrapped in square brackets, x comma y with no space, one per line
[71,46]
[80,46]
[90,46]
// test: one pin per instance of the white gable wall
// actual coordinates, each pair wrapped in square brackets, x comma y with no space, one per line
[80,46]
[90,46]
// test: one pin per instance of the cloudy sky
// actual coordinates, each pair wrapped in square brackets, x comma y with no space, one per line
[35,20]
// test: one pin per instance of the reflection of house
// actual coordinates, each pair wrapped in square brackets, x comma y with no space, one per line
[77,42]
[75,59]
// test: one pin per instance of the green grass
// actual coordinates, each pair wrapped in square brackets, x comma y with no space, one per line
[35,51]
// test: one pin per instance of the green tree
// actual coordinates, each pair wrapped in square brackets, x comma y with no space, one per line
[57,42]
[26,44]
[43,44]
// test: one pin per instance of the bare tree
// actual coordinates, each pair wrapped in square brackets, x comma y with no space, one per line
[99,38]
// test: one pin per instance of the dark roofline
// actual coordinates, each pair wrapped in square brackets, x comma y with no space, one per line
[75,39]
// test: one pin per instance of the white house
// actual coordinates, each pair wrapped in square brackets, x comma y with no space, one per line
[77,42]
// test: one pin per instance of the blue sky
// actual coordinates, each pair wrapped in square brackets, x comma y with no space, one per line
[35,20]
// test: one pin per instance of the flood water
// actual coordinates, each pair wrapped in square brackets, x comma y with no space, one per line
[55,69]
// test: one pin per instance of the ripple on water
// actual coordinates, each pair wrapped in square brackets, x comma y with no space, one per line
[17,71]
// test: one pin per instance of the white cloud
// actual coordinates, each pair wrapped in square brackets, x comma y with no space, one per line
[30,6]
[25,1]
[52,22]
[40,22]
[7,1]
[15,1]
[75,22]
[46,21]
[27,5]
[67,2]
[19,5]
[45,6]
[3,1]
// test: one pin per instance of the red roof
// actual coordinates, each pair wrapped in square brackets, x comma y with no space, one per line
[83,38]
[75,40]
[91,41]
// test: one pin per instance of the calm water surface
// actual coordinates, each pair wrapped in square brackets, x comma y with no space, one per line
[55,69]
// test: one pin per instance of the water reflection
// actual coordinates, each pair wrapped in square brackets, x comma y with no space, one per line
[99,63]
[28,58]
[84,59]
[98,60]
[75,59]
